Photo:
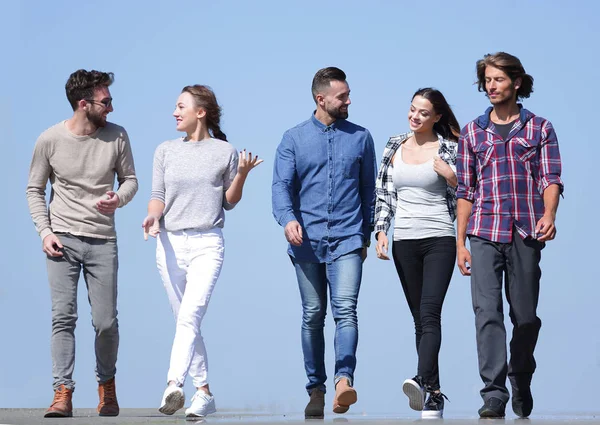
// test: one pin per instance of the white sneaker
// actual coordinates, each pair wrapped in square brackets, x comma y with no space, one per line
[173,400]
[413,388]
[202,405]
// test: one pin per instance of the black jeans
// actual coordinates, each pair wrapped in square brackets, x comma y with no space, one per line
[425,268]
[518,262]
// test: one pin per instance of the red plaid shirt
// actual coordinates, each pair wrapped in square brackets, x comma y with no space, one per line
[506,180]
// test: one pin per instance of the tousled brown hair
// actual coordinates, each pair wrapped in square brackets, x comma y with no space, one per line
[511,66]
[205,98]
[82,84]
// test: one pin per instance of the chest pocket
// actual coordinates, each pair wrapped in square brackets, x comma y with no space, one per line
[524,149]
[484,151]
[350,167]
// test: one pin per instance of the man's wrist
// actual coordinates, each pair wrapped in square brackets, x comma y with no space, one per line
[47,231]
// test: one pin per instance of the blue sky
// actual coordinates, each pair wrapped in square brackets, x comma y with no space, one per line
[260,58]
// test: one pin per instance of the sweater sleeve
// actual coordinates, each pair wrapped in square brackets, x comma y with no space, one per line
[158,175]
[39,173]
[228,177]
[125,169]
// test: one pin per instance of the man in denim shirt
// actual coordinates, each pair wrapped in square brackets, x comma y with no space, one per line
[324,197]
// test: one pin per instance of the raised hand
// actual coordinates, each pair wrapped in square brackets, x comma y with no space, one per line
[442,168]
[247,162]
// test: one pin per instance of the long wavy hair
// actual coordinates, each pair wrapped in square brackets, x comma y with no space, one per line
[447,126]
[511,66]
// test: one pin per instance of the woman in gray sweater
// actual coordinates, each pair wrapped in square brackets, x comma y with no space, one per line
[195,178]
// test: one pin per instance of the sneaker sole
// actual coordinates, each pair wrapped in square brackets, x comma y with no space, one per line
[344,401]
[414,394]
[173,402]
[432,414]
[58,415]
[193,415]
[491,414]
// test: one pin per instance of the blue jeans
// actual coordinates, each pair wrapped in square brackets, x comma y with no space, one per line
[343,276]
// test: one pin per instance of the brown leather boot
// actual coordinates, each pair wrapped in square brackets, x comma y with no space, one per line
[62,406]
[316,405]
[345,395]
[108,406]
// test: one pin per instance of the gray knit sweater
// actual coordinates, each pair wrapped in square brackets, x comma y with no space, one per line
[191,178]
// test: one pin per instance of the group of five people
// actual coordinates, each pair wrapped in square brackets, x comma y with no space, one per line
[499,178]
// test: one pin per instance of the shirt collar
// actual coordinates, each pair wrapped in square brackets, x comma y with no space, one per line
[484,120]
[323,127]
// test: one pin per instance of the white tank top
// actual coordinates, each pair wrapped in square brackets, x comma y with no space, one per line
[421,208]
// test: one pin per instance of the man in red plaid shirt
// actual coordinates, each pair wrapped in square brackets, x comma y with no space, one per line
[508,170]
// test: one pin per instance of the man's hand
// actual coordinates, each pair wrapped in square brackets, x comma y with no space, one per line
[293,233]
[545,227]
[51,245]
[108,206]
[151,226]
[382,246]
[463,259]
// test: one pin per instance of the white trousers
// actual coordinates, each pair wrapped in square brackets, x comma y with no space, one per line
[189,263]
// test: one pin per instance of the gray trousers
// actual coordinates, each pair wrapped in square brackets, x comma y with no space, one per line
[518,262]
[99,261]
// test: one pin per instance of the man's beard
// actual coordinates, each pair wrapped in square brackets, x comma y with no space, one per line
[338,114]
[97,119]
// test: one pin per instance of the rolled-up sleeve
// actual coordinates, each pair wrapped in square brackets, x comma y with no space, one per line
[465,167]
[550,166]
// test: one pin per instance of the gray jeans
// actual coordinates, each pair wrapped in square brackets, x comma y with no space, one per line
[99,260]
[518,262]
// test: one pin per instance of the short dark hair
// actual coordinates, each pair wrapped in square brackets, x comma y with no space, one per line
[324,77]
[82,84]
[511,66]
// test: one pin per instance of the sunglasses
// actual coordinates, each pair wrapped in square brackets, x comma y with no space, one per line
[104,102]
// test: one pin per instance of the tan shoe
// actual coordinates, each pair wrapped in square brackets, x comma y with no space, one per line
[108,405]
[345,396]
[62,405]
[315,409]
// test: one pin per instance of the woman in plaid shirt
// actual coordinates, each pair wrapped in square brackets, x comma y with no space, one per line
[416,184]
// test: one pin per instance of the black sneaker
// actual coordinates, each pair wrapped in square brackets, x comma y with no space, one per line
[522,400]
[434,406]
[414,390]
[493,408]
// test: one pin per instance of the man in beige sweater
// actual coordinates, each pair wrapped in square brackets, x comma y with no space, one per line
[80,156]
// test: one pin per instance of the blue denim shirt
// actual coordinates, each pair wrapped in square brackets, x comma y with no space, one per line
[324,177]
